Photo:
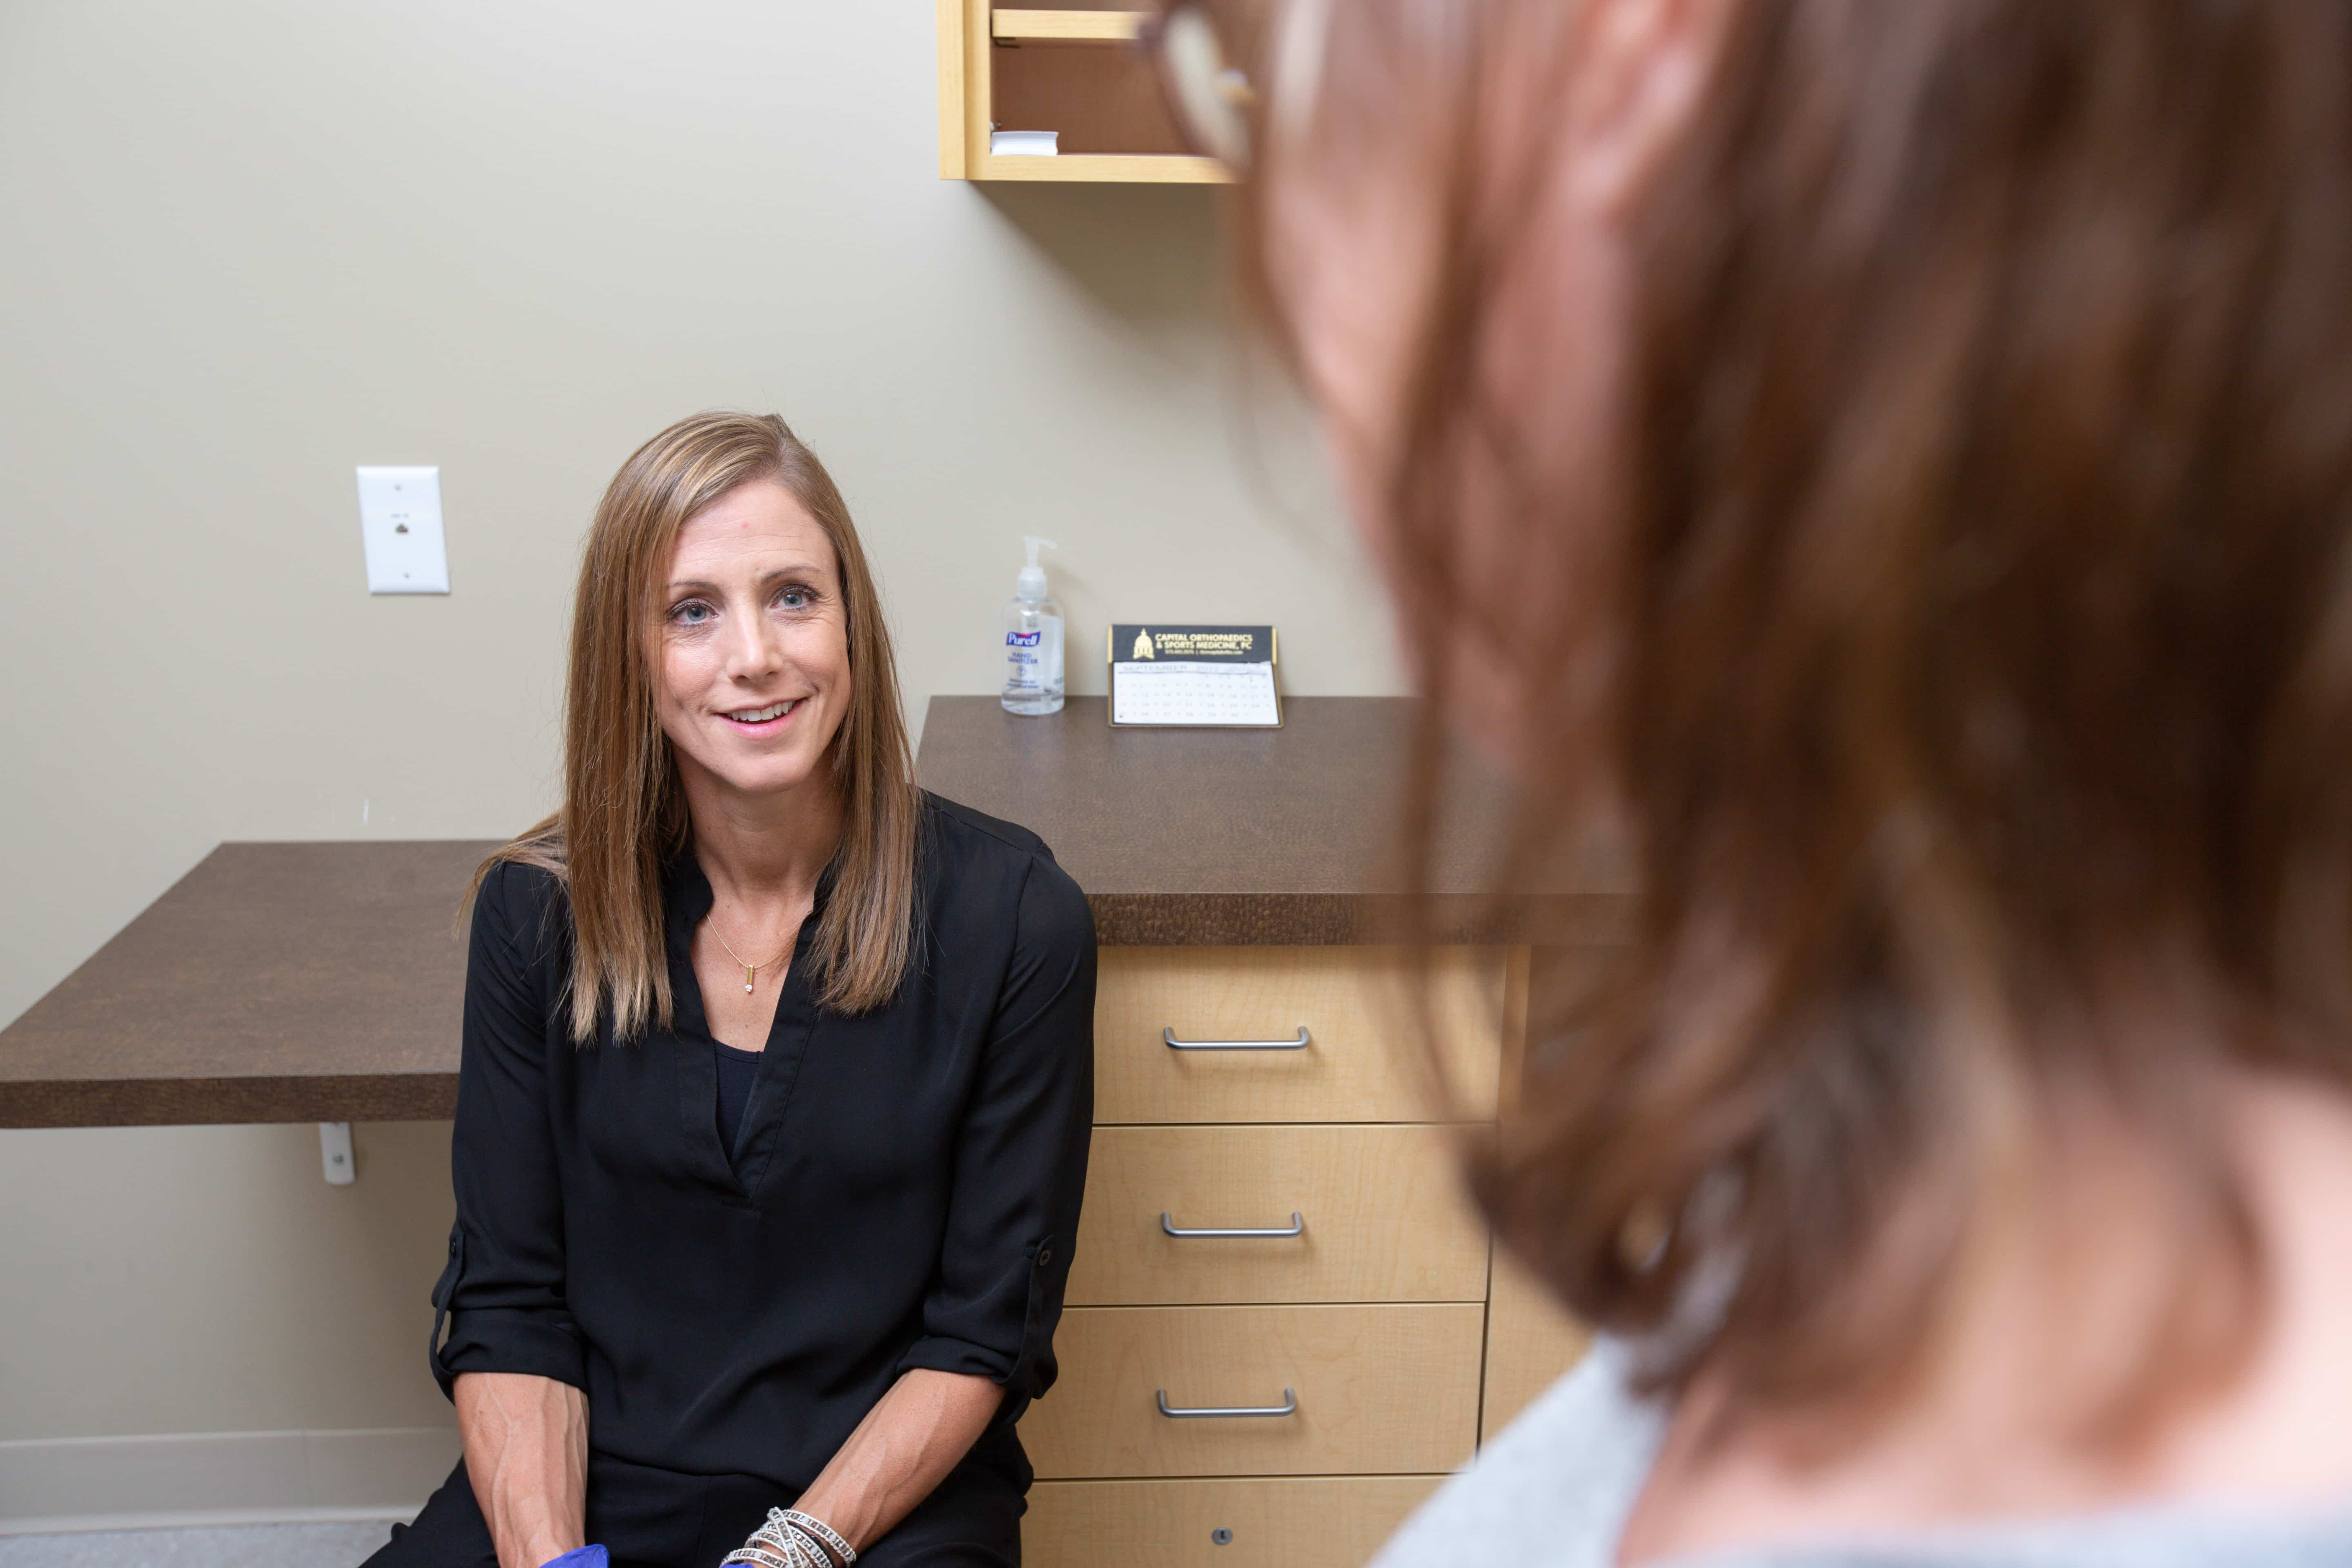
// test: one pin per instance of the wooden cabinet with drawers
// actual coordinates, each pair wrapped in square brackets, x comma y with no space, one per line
[1383,1389]
[1276,1274]
[1305,1521]
[1290,1212]
[1212,1033]
[1284,1327]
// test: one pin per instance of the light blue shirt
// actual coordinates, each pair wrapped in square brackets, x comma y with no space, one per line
[1553,1491]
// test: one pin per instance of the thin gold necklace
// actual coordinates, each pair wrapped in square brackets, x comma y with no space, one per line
[750,971]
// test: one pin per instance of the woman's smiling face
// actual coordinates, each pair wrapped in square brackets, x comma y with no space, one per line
[752,645]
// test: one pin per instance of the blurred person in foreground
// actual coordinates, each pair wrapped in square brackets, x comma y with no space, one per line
[1888,464]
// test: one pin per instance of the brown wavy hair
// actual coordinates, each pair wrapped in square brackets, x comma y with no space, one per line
[1975,631]
[624,813]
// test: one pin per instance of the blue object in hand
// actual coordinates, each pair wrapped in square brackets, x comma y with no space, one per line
[581,1557]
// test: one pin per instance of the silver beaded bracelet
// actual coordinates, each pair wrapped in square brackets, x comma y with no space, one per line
[779,1536]
[771,1547]
[844,1554]
[791,1539]
[753,1554]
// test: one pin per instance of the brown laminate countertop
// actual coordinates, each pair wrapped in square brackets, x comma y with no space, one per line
[1213,838]
[274,982]
[323,982]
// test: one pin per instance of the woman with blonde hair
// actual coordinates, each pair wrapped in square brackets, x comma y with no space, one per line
[776,1083]
[1885,465]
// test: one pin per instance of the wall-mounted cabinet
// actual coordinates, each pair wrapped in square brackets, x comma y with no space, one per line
[1075,71]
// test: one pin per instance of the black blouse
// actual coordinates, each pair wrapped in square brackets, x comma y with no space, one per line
[903,1194]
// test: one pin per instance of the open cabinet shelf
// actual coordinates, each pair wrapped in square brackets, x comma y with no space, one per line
[1066,27]
[1075,71]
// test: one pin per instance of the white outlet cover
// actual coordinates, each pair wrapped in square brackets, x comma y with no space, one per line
[335,1154]
[400,524]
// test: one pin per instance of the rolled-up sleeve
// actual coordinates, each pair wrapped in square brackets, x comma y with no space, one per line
[1021,1156]
[502,1292]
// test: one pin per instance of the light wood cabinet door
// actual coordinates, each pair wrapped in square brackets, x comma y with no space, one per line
[1364,1061]
[1309,1521]
[1378,1390]
[1379,1212]
[1531,1342]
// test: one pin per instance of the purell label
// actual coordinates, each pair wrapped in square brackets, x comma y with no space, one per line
[1023,640]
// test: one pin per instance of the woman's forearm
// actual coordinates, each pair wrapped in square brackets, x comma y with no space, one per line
[527,1454]
[906,1446]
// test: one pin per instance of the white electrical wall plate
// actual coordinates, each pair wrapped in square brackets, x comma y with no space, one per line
[335,1154]
[400,523]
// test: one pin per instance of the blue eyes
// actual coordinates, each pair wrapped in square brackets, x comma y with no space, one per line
[698,612]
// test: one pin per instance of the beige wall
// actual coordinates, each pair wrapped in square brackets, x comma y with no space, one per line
[249,245]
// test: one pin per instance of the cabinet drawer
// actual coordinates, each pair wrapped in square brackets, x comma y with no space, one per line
[1322,1521]
[1364,1061]
[1382,1215]
[1385,1390]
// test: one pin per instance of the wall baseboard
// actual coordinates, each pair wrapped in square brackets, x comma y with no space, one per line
[193,1479]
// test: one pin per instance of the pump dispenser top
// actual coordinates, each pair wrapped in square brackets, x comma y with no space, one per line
[1030,586]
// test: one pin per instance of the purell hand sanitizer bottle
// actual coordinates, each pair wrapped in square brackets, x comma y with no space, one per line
[1032,639]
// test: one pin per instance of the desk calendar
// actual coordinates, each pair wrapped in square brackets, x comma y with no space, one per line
[1185,677]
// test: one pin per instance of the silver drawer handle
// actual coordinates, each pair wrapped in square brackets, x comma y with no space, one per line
[1289,1406]
[1298,1227]
[1301,1044]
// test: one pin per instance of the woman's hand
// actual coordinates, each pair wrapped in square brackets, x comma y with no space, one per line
[906,1446]
[527,1454]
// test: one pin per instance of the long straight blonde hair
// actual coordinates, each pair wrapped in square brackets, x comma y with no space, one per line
[624,814]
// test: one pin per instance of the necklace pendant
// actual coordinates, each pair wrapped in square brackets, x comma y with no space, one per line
[748,972]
